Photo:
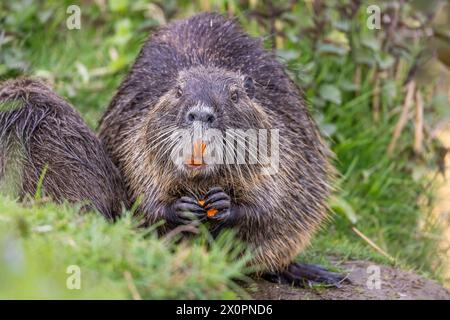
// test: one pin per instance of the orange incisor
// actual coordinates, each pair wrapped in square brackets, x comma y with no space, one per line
[196,158]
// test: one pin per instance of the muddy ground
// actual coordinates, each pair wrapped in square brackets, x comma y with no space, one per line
[395,284]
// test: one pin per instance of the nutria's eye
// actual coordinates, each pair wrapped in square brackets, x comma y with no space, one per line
[234,96]
[249,87]
[179,92]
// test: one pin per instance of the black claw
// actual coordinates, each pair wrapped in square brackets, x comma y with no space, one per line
[302,275]
[212,191]
[188,200]
[219,205]
[216,197]
[176,220]
[272,277]
[317,274]
[189,207]
[221,215]
[186,210]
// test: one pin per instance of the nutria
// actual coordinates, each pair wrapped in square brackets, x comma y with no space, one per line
[44,141]
[206,72]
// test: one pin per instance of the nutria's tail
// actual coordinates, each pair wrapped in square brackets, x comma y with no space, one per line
[46,147]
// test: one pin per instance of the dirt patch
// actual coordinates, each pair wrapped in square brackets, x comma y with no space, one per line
[395,284]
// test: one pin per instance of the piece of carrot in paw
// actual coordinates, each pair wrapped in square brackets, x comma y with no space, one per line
[201,202]
[211,212]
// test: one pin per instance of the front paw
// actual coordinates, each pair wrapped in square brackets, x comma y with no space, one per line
[186,210]
[217,204]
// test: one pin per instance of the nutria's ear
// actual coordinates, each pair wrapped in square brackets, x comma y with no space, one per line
[249,87]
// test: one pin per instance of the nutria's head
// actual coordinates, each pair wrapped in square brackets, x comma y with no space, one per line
[189,132]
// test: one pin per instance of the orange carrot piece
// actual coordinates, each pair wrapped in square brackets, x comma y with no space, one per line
[211,212]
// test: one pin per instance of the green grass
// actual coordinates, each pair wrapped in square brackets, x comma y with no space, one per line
[86,66]
[39,242]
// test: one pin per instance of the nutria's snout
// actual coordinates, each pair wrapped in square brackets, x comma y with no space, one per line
[202,114]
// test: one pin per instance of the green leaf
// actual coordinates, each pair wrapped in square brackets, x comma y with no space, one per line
[328,129]
[123,32]
[347,85]
[330,93]
[371,43]
[288,54]
[338,37]
[441,104]
[342,25]
[118,5]
[385,61]
[341,206]
[389,91]
[365,57]
[328,48]
[82,71]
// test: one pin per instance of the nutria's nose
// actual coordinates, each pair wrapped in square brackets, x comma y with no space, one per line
[205,116]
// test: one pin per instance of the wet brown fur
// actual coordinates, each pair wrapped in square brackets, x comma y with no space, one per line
[39,130]
[282,211]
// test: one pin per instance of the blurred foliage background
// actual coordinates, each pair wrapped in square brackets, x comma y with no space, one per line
[380,96]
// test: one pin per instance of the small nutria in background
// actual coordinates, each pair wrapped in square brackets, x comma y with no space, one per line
[207,70]
[42,138]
